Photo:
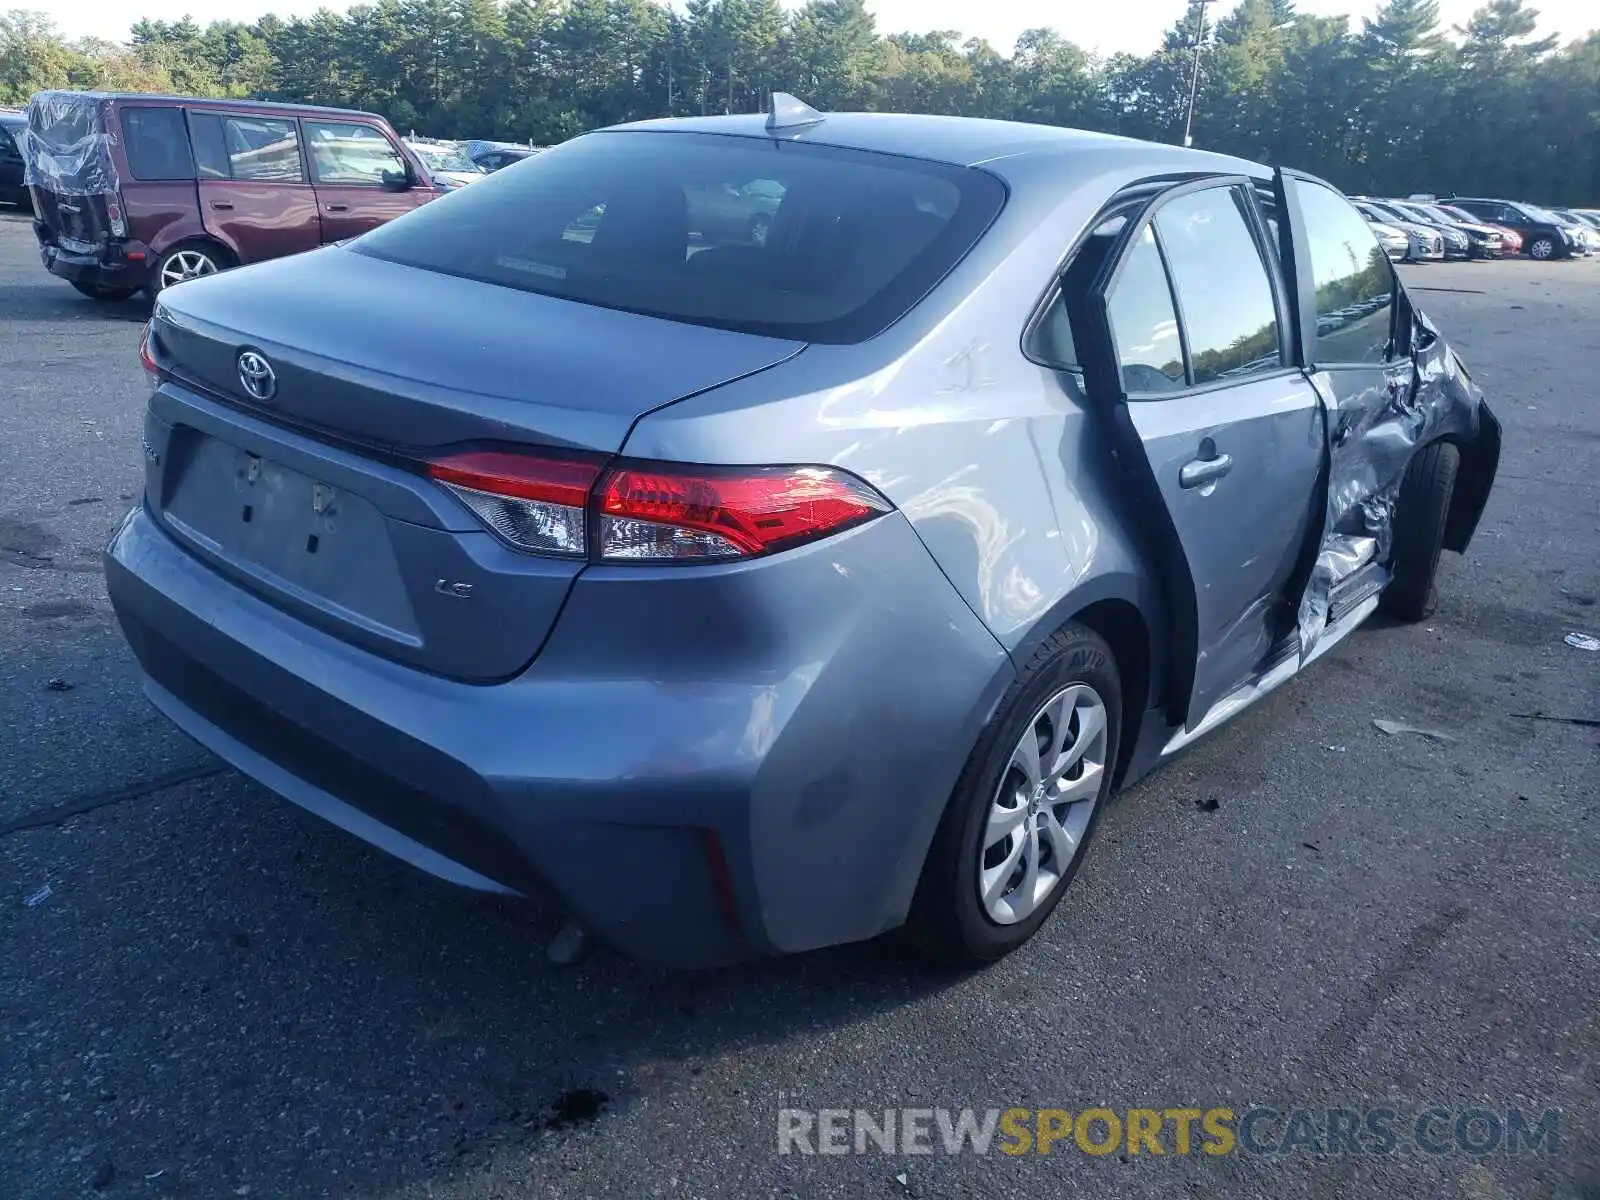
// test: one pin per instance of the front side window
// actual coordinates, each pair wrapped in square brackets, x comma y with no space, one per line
[8,145]
[1353,279]
[352,154]
[262,149]
[1229,313]
[778,238]
[1144,322]
[156,144]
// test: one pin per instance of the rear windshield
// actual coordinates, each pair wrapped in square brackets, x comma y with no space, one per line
[68,144]
[772,237]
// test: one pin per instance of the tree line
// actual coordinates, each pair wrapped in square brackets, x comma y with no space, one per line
[1398,105]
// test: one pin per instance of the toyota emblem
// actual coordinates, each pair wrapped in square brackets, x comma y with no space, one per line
[256,375]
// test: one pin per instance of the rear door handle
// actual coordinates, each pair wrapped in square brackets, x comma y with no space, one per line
[222,206]
[1202,471]
[338,208]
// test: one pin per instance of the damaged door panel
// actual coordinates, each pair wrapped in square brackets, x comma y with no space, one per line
[1389,385]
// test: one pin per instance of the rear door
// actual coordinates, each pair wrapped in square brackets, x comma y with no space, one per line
[361,180]
[1225,428]
[254,193]
[1359,361]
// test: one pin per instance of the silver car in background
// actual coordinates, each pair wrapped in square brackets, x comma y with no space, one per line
[761,593]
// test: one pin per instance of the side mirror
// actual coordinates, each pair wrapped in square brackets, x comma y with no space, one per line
[396,181]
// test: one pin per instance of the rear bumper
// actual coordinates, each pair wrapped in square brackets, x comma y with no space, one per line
[818,750]
[105,266]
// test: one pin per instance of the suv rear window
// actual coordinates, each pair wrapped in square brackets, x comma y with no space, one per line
[778,238]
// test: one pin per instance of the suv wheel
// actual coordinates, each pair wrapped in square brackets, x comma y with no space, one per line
[1419,520]
[1020,819]
[1542,247]
[181,263]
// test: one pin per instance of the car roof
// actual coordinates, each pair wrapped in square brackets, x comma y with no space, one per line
[212,102]
[962,141]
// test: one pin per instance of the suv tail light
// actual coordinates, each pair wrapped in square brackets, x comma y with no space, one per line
[119,226]
[652,512]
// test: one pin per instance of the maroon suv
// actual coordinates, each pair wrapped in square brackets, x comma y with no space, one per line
[138,192]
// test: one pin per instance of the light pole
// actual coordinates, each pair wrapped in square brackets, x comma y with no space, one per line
[1194,82]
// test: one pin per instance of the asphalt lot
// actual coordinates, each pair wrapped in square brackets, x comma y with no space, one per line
[221,997]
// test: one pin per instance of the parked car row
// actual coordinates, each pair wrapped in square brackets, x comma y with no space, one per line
[1422,228]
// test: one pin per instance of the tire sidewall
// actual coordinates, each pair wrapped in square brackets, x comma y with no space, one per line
[1085,660]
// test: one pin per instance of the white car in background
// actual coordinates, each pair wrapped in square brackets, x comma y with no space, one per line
[448,166]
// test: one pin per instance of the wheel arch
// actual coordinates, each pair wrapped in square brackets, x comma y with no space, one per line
[206,240]
[1124,608]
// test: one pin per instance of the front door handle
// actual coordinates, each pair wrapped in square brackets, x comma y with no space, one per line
[222,206]
[338,208]
[1203,471]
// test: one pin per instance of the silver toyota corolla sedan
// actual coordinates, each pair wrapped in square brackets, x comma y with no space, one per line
[760,593]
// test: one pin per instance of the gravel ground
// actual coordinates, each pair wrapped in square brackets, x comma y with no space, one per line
[221,997]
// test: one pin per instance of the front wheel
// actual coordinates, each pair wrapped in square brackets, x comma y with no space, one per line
[1542,248]
[1421,511]
[1021,816]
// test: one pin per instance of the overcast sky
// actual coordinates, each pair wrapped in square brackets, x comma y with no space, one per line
[1103,25]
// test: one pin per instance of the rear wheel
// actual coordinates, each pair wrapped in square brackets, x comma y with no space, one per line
[1542,248]
[1021,816]
[1420,513]
[97,291]
[188,261]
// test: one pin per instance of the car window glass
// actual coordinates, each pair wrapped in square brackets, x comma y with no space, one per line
[352,154]
[780,238]
[1353,279]
[1051,341]
[210,153]
[261,148]
[1144,322]
[8,146]
[1229,314]
[156,144]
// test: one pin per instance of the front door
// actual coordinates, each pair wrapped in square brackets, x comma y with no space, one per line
[254,195]
[1227,428]
[360,178]
[1359,360]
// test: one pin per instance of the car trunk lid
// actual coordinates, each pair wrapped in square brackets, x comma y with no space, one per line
[314,495]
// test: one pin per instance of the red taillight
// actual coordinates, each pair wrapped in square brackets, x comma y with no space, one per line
[147,360]
[651,511]
[534,502]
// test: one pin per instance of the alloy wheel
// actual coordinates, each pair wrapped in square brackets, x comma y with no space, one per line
[1043,804]
[1543,248]
[186,264]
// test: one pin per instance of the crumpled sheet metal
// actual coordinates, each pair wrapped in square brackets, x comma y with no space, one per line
[1372,437]
[65,146]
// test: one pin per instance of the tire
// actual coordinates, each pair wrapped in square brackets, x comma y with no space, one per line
[102,293]
[1542,248]
[186,260]
[1419,520]
[1070,673]
[760,227]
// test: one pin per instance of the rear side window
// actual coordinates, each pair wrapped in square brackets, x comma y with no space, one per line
[156,144]
[1229,314]
[265,149]
[1353,279]
[1144,322]
[777,238]
[346,153]
[8,145]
